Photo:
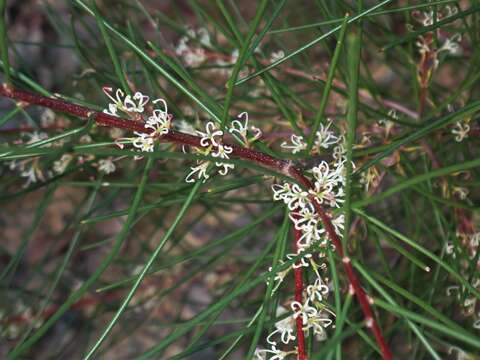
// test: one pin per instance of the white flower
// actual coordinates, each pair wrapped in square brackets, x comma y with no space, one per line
[208,137]
[325,137]
[184,127]
[460,191]
[36,136]
[279,276]
[450,249]
[451,289]
[297,198]
[125,103]
[200,171]
[305,217]
[302,261]
[261,354]
[47,118]
[318,291]
[452,45]
[33,174]
[305,311]
[281,192]
[277,55]
[298,144]
[310,235]
[338,224]
[204,37]
[106,165]
[160,120]
[284,327]
[460,130]
[143,141]
[194,57]
[242,129]
[327,184]
[222,152]
[318,323]
[59,166]
[85,139]
[182,46]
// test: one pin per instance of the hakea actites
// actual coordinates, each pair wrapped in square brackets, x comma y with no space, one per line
[282,166]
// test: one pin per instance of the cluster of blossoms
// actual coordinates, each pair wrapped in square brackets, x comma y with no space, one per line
[159,122]
[30,168]
[324,139]
[193,56]
[469,245]
[138,107]
[426,43]
[328,190]
[212,145]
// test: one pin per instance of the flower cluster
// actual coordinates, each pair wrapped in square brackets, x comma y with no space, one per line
[328,190]
[312,311]
[468,252]
[324,138]
[30,168]
[193,56]
[427,18]
[328,180]
[157,122]
[212,145]
[426,44]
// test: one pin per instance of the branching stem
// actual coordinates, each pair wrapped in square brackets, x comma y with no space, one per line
[282,166]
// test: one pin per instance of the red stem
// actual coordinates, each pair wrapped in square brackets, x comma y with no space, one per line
[297,272]
[282,166]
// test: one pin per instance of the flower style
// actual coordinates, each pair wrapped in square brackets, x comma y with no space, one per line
[222,152]
[318,291]
[298,144]
[160,121]
[124,103]
[279,276]
[452,44]
[200,171]
[143,142]
[208,137]
[242,129]
[211,142]
[327,184]
[460,130]
[302,262]
[305,311]
[324,137]
[318,323]
[305,217]
[261,354]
